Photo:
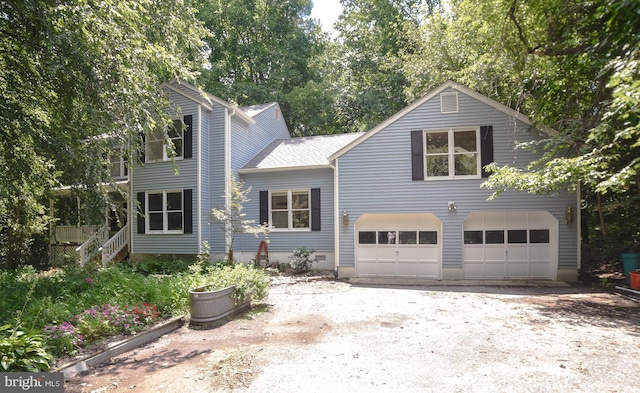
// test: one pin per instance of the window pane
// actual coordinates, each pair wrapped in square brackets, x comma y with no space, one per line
[155,202]
[428,237]
[437,165]
[366,237]
[301,219]
[465,141]
[300,200]
[407,237]
[176,130]
[177,148]
[517,236]
[539,236]
[437,142]
[280,219]
[174,201]
[155,150]
[155,221]
[472,237]
[466,164]
[174,221]
[279,201]
[494,237]
[387,237]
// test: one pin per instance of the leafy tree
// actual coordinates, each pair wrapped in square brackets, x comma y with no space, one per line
[231,217]
[258,50]
[77,77]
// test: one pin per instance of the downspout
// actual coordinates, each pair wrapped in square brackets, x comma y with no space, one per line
[227,174]
[199,180]
[336,216]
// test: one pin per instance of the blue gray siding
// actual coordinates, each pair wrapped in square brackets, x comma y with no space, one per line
[216,178]
[375,177]
[147,178]
[248,141]
[322,241]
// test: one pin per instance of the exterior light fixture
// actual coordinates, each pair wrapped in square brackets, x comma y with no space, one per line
[452,206]
[568,216]
[345,218]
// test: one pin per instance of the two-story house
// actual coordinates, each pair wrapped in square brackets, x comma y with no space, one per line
[401,200]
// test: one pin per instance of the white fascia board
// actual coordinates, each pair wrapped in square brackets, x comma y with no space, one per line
[199,99]
[449,84]
[248,171]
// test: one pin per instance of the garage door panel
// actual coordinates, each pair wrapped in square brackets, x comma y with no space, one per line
[406,256]
[529,251]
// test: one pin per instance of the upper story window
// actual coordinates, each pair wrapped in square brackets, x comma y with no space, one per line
[118,168]
[452,153]
[158,149]
[290,210]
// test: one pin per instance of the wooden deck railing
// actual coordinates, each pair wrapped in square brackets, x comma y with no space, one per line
[93,246]
[73,234]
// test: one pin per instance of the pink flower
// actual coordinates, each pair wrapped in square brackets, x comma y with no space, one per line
[89,280]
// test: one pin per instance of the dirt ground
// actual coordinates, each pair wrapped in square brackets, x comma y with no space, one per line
[327,336]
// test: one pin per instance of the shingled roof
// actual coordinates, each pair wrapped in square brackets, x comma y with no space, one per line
[304,152]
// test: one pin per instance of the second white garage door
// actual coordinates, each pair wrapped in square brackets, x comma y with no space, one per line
[398,245]
[510,245]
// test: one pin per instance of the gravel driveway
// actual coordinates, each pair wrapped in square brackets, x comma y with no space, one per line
[330,336]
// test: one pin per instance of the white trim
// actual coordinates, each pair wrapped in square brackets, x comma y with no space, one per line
[447,85]
[290,209]
[165,213]
[451,153]
[578,222]
[199,178]
[282,169]
[227,171]
[336,214]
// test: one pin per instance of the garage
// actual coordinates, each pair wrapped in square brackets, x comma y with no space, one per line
[510,245]
[398,245]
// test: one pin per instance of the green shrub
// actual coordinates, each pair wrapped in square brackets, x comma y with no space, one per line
[300,261]
[22,352]
[248,281]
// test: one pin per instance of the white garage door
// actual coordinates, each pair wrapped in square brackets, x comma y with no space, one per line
[398,245]
[515,245]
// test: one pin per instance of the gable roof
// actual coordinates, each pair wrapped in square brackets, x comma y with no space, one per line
[253,110]
[298,153]
[202,97]
[433,93]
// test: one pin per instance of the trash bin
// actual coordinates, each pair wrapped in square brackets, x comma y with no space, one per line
[630,263]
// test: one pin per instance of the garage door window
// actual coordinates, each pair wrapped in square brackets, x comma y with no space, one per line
[517,236]
[473,237]
[539,236]
[401,237]
[494,237]
[368,237]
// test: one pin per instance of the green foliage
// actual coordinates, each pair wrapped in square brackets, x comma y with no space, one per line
[300,261]
[231,218]
[76,78]
[22,351]
[249,281]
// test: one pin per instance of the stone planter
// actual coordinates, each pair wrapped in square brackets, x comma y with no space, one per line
[208,305]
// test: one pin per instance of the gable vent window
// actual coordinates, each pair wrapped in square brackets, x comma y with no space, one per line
[449,102]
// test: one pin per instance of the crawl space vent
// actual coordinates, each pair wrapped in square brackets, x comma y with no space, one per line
[449,102]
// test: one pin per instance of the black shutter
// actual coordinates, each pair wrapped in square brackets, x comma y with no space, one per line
[486,147]
[187,195]
[315,209]
[143,147]
[264,207]
[417,156]
[141,221]
[188,136]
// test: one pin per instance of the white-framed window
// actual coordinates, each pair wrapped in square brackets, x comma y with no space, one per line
[452,153]
[157,147]
[118,167]
[290,210]
[165,212]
